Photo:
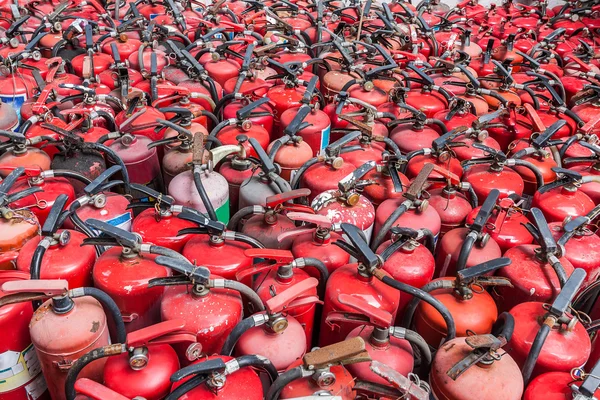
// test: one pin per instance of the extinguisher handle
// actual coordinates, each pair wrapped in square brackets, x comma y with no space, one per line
[542,140]
[280,257]
[267,165]
[295,126]
[563,300]
[470,274]
[203,368]
[426,78]
[96,391]
[342,353]
[180,130]
[349,182]
[418,184]
[14,137]
[89,38]
[311,88]
[113,235]
[244,112]
[334,149]
[213,227]
[281,302]
[497,155]
[533,63]
[503,72]
[546,82]
[54,220]
[275,200]
[440,143]
[364,254]
[591,382]
[543,233]
[485,211]
[45,286]
[346,57]
[163,332]
[13,29]
[377,317]
[158,196]
[483,120]
[554,35]
[487,55]
[564,177]
[93,188]
[469,76]
[322,221]
[449,176]
[571,227]
[199,275]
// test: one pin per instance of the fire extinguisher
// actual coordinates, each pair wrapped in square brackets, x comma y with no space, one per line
[57,254]
[472,309]
[17,226]
[206,295]
[256,189]
[542,331]
[270,221]
[431,99]
[97,202]
[66,327]
[475,362]
[98,61]
[222,377]
[270,279]
[459,113]
[24,369]
[20,153]
[580,243]
[407,260]
[506,224]
[129,366]
[321,371]
[416,132]
[575,384]
[313,125]
[185,120]
[95,101]
[384,342]
[389,181]
[491,172]
[317,242]
[321,173]
[586,166]
[139,118]
[573,147]
[476,134]
[346,204]
[536,272]
[158,223]
[450,203]
[462,248]
[221,251]
[228,130]
[410,211]
[561,198]
[276,334]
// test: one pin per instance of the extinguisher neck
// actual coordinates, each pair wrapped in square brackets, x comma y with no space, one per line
[380,337]
[62,304]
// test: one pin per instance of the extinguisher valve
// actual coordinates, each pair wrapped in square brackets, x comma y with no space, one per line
[484,352]
[473,279]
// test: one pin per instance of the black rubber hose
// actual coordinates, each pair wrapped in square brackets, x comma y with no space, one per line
[110,120]
[221,103]
[570,113]
[115,159]
[417,340]
[560,272]
[429,240]
[164,251]
[282,381]
[65,173]
[568,143]
[438,123]
[465,251]
[83,361]
[255,301]
[534,352]
[276,146]
[387,225]
[504,326]
[534,99]
[498,97]
[432,301]
[392,145]
[71,98]
[301,171]
[212,88]
[238,216]
[391,249]
[410,309]
[242,327]
[348,85]
[240,237]
[323,273]
[539,178]
[414,153]
[258,362]
[210,116]
[36,262]
[109,305]
[202,192]
[473,197]
[25,127]
[186,387]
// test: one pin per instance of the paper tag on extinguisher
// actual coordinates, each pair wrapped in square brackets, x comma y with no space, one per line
[15,101]
[19,368]
[325,133]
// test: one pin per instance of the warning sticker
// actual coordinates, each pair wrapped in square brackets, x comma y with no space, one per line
[18,368]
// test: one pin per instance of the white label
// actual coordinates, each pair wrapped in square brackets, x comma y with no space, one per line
[17,368]
[36,388]
[325,133]
[15,101]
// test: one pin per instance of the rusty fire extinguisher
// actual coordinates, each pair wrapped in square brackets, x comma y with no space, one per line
[19,152]
[66,327]
[143,365]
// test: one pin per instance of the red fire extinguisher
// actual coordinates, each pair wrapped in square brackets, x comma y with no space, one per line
[276,335]
[207,294]
[389,181]
[542,331]
[214,247]
[269,279]
[57,254]
[463,360]
[222,377]
[407,260]
[574,384]
[146,353]
[321,371]
[536,272]
[384,342]
[66,327]
[270,221]
[416,132]
[20,153]
[317,242]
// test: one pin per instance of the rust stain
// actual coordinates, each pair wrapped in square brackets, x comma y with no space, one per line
[95,326]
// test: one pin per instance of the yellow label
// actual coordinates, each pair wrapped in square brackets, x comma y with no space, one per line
[16,369]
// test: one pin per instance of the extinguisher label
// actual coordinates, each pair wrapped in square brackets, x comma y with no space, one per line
[325,137]
[223,212]
[18,368]
[15,101]
[152,16]
[122,221]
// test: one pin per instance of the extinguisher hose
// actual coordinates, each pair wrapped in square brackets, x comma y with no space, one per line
[539,178]
[255,301]
[241,214]
[568,143]
[221,103]
[413,154]
[524,152]
[534,99]
[348,85]
[110,120]
[83,361]
[212,88]
[438,123]
[560,271]
[119,335]
[240,237]
[392,145]
[570,113]
[473,200]
[409,312]
[282,381]
[25,127]
[504,326]
[534,352]
[36,261]
[426,297]
[417,341]
[235,335]
[556,156]
[387,225]
[323,272]
[164,251]
[210,116]
[277,145]
[497,96]
[196,172]
[217,129]
[465,251]
[115,159]
[258,362]
[64,173]
[301,171]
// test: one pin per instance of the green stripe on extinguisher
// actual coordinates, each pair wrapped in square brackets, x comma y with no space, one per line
[223,212]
